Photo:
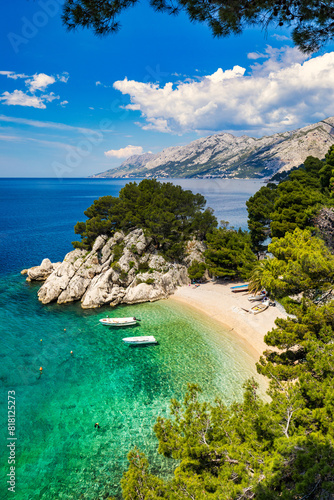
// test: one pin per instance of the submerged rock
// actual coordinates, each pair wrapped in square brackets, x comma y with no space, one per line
[122,269]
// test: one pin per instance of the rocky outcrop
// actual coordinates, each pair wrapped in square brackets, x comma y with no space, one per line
[42,272]
[121,269]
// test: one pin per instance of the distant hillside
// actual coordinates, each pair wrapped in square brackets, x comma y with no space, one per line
[224,155]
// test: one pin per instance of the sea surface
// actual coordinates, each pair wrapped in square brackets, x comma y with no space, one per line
[59,453]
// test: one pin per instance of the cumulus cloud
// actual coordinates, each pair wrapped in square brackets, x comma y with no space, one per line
[63,103]
[124,152]
[40,82]
[36,83]
[286,91]
[19,98]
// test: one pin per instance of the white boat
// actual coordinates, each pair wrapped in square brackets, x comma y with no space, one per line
[140,340]
[260,307]
[255,298]
[119,321]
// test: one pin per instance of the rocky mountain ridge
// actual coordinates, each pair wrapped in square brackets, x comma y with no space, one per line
[227,156]
[122,269]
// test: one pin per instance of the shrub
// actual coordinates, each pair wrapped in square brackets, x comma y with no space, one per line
[196,270]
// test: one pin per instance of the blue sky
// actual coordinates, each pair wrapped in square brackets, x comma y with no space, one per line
[72,104]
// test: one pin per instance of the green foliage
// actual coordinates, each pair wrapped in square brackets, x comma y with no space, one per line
[115,265]
[167,214]
[117,251]
[296,204]
[123,275]
[326,173]
[311,21]
[229,252]
[150,281]
[301,263]
[196,270]
[143,267]
[260,206]
[276,210]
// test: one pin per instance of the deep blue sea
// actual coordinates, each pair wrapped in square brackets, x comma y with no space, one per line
[59,454]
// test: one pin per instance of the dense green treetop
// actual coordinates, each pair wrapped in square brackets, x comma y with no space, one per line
[229,252]
[301,263]
[167,213]
[294,203]
[295,206]
[312,21]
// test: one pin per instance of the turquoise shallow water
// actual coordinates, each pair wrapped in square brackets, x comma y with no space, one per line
[59,452]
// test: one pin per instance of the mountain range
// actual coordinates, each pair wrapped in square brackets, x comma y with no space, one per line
[227,156]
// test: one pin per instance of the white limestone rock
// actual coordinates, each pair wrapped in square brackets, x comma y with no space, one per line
[42,272]
[102,290]
[194,251]
[143,293]
[137,239]
[97,279]
[156,262]
[60,277]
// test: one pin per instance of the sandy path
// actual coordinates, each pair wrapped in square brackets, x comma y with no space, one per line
[217,301]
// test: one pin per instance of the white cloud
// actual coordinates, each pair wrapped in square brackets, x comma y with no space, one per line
[256,55]
[63,103]
[64,77]
[278,59]
[40,82]
[124,152]
[280,38]
[102,84]
[36,83]
[14,76]
[284,92]
[19,98]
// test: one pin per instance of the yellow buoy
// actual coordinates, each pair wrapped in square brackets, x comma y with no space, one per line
[41,369]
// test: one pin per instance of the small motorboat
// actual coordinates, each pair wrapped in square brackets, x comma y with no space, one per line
[149,339]
[255,298]
[119,321]
[260,307]
[240,288]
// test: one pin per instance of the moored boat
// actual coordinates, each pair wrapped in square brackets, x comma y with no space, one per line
[119,321]
[260,307]
[145,340]
[239,288]
[257,297]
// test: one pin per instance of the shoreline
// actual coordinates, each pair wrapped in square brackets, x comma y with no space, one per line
[218,302]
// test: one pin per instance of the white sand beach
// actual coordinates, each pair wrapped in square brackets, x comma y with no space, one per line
[216,300]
